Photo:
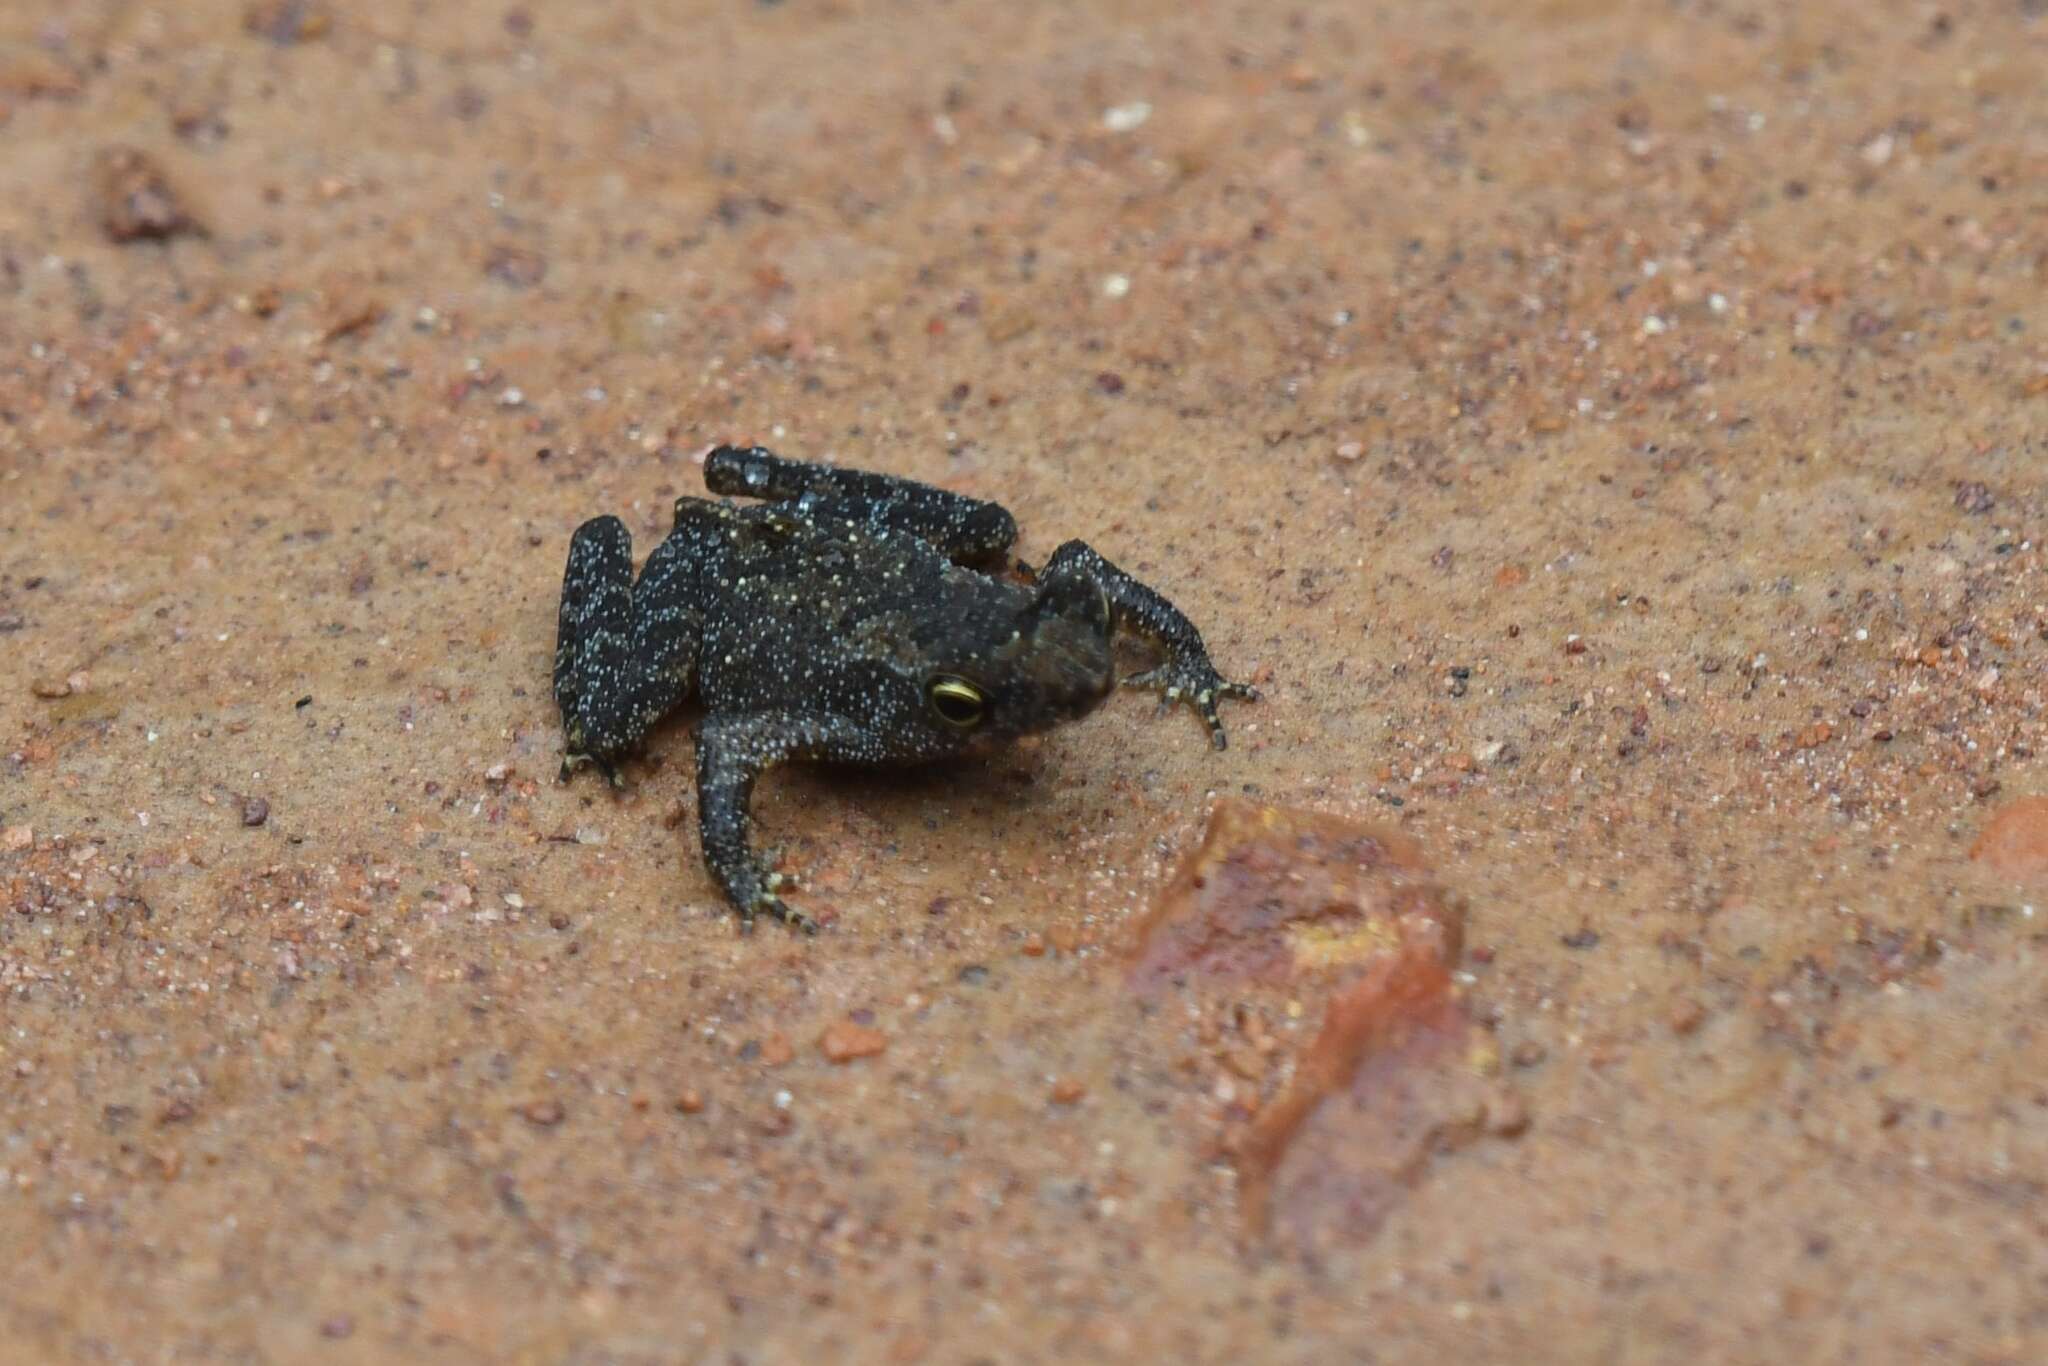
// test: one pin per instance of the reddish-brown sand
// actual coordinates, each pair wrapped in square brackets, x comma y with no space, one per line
[1613,435]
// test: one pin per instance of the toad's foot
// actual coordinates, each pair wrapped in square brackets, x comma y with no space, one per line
[732,752]
[1196,683]
[764,900]
[609,767]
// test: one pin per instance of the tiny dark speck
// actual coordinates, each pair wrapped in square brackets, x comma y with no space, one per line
[1580,939]
[303,702]
[1110,382]
[973,975]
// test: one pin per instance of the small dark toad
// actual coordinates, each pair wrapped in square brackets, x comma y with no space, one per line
[841,620]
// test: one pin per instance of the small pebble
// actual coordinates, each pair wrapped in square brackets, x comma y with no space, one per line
[19,837]
[1507,1114]
[776,1050]
[1125,118]
[515,266]
[1066,1091]
[690,1101]
[843,1041]
[50,688]
[1819,733]
[287,22]
[545,1114]
[2014,843]
[136,201]
[255,811]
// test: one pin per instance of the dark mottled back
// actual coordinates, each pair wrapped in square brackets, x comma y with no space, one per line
[826,611]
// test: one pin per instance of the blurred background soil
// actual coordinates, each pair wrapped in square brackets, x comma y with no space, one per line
[1612,434]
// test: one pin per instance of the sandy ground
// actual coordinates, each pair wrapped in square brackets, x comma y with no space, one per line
[1613,434]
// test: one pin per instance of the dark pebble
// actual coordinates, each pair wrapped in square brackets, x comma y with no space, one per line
[286,22]
[136,200]
[1975,497]
[974,974]
[1580,939]
[255,811]
[1110,382]
[516,266]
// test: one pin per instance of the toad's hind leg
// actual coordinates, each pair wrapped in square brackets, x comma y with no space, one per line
[624,652]
[964,529]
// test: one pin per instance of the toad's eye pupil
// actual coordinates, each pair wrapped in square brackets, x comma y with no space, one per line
[957,702]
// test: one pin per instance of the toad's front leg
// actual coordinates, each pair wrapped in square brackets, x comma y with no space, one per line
[733,751]
[1186,674]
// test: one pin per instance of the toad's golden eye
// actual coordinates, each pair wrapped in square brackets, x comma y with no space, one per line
[957,702]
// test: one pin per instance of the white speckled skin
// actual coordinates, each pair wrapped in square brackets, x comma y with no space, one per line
[839,622]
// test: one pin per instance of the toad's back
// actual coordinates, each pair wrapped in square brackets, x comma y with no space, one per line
[816,610]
